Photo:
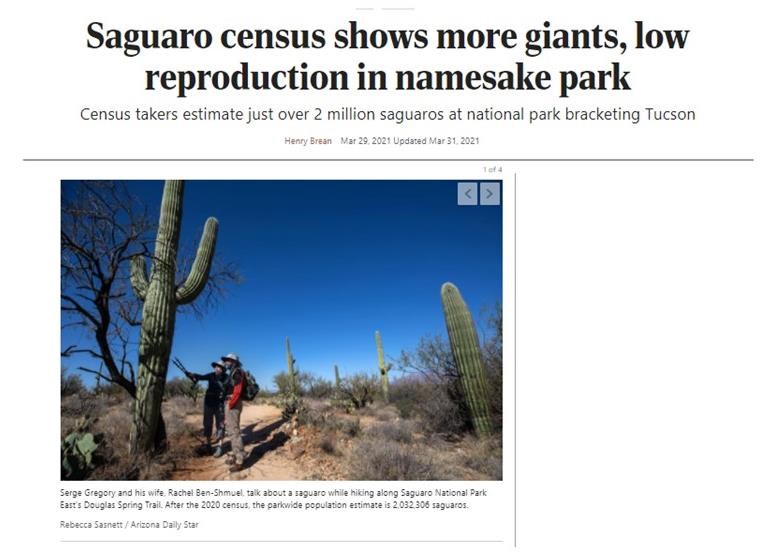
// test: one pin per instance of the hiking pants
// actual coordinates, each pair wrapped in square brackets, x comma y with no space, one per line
[234,430]
[213,410]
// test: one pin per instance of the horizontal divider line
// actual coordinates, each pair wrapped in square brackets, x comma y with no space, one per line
[436,159]
[282,541]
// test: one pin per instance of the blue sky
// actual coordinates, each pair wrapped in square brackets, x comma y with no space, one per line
[327,263]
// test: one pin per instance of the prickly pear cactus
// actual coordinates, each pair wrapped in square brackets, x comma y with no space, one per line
[161,297]
[384,367]
[78,452]
[467,355]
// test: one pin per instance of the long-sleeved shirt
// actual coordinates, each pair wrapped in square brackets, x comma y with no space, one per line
[235,385]
[217,387]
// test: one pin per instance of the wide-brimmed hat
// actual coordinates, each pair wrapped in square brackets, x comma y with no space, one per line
[219,363]
[231,357]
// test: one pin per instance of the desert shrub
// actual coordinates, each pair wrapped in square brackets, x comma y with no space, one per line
[432,391]
[328,422]
[407,394]
[178,408]
[350,427]
[182,387]
[83,404]
[283,382]
[314,417]
[111,392]
[390,461]
[317,387]
[114,426]
[359,389]
[397,431]
[380,411]
[290,405]
[328,445]
[368,411]
[387,414]
[435,403]
[444,411]
[485,456]
[492,353]
[71,384]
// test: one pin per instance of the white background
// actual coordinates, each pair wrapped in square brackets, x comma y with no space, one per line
[642,288]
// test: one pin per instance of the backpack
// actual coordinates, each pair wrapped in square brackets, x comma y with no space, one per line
[250,387]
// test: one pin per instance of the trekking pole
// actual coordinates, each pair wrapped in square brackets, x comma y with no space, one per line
[178,364]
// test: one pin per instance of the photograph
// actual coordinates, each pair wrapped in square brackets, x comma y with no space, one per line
[281,330]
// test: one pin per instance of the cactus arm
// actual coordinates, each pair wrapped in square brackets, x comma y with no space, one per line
[199,273]
[139,279]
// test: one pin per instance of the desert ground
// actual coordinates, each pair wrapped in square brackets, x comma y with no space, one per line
[318,442]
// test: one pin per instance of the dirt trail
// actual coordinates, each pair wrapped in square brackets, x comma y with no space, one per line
[267,452]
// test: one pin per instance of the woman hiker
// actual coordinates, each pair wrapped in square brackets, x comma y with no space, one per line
[213,403]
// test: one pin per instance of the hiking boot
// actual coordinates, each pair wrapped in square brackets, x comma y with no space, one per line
[236,467]
[230,459]
[204,450]
[218,452]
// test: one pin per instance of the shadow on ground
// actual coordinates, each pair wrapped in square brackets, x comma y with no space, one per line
[260,440]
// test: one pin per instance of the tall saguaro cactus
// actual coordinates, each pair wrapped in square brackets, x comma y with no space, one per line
[384,368]
[161,297]
[290,361]
[337,378]
[467,355]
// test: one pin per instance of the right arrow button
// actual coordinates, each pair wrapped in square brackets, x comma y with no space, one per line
[490,193]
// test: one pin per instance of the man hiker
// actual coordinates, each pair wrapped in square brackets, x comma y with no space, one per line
[213,403]
[234,389]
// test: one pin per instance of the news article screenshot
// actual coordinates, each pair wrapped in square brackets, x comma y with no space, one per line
[392,278]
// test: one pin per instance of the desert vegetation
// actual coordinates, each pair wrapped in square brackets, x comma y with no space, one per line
[439,418]
[327,430]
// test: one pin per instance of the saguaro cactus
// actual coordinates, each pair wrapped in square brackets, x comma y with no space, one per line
[467,355]
[384,368]
[161,297]
[337,378]
[290,361]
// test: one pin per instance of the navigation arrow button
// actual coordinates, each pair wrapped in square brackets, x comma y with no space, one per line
[490,193]
[467,193]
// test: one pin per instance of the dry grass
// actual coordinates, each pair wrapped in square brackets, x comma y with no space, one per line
[376,459]
[397,430]
[374,443]
[113,418]
[486,457]
[327,420]
[471,458]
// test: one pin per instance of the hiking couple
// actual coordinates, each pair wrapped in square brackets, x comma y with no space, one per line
[225,393]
